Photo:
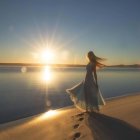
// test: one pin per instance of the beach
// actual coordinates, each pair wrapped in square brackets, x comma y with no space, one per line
[119,119]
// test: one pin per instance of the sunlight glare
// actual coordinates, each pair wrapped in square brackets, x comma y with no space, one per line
[50,113]
[23,69]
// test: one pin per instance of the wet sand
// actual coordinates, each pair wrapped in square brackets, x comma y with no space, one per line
[118,120]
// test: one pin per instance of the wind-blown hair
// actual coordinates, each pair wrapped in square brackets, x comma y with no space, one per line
[94,59]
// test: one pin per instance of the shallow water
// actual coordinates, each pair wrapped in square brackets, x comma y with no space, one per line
[25,91]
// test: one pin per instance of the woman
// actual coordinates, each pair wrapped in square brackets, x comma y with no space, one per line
[86,95]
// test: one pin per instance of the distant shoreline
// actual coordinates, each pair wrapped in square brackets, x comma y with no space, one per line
[38,64]
[65,65]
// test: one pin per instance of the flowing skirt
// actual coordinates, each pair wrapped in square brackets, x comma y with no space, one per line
[86,97]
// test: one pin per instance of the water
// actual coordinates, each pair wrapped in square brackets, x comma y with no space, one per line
[25,91]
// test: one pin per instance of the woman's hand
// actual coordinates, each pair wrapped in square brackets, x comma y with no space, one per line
[95,75]
[97,86]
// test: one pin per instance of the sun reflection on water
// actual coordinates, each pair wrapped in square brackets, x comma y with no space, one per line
[47,74]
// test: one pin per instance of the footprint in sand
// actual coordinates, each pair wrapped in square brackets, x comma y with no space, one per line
[76,126]
[78,115]
[80,119]
[76,135]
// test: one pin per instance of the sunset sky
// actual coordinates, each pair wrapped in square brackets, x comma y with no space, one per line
[65,30]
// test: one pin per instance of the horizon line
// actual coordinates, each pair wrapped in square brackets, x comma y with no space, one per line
[66,65]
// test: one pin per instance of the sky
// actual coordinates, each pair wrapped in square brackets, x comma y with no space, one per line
[65,30]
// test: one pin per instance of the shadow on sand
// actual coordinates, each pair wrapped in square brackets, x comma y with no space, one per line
[109,128]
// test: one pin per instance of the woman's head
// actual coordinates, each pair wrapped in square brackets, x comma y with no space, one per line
[91,56]
[94,59]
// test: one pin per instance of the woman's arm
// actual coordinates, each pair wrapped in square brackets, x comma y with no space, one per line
[95,75]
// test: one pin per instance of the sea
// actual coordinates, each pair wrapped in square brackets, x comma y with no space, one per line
[27,91]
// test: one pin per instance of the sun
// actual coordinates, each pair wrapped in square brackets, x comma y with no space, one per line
[47,55]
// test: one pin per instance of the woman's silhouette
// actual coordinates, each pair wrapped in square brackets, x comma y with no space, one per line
[86,95]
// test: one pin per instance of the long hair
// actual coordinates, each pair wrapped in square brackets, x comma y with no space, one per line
[93,58]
